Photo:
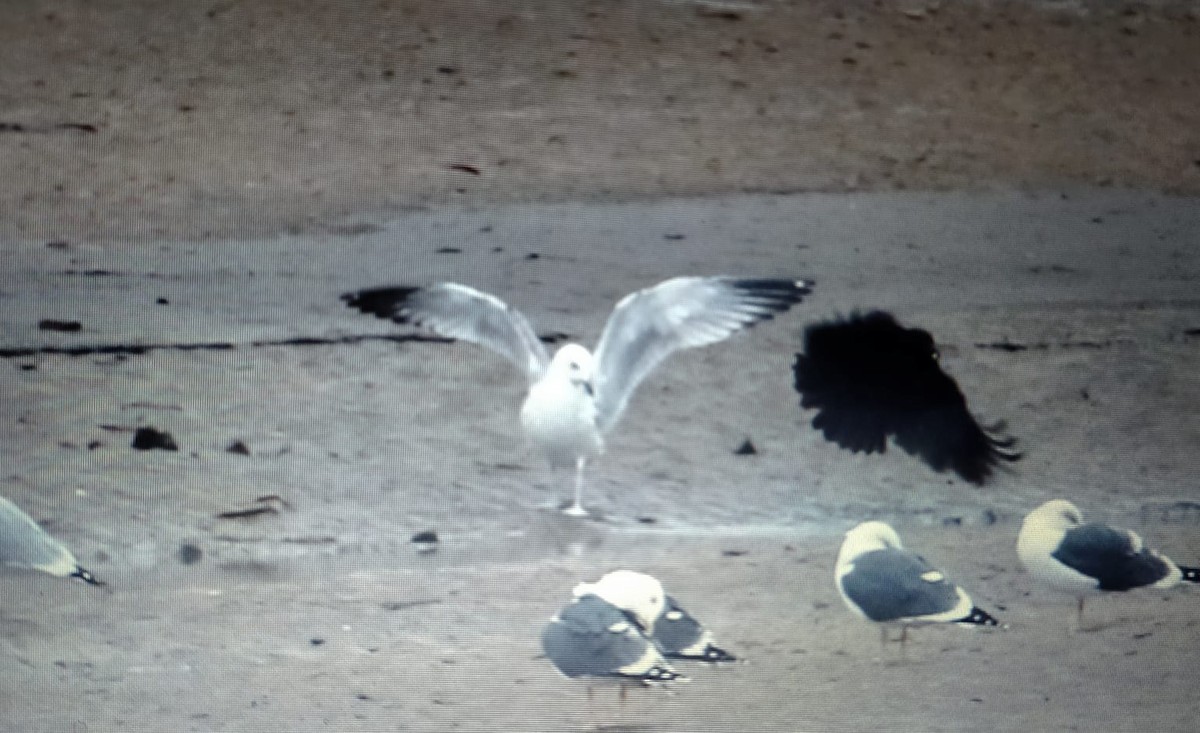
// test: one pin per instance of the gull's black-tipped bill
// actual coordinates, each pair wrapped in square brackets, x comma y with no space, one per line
[869,378]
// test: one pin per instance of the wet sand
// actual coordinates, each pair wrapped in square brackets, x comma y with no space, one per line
[1018,180]
[1064,319]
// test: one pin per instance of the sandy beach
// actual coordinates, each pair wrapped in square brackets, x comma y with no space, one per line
[1035,209]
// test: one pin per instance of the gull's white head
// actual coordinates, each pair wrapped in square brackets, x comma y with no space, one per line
[636,593]
[868,537]
[574,361]
[1042,531]
[1057,515]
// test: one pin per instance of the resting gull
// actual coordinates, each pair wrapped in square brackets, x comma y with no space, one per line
[869,377]
[1060,551]
[882,582]
[577,397]
[677,633]
[606,633]
[24,544]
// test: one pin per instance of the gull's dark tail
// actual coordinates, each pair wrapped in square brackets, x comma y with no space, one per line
[979,617]
[85,575]
[1191,575]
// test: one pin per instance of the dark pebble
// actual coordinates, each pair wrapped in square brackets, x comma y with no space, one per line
[189,554]
[151,439]
[746,449]
[238,447]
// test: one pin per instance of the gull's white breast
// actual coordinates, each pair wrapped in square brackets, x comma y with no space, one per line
[559,415]
[1036,544]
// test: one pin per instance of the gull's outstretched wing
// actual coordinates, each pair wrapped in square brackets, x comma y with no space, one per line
[459,312]
[649,325]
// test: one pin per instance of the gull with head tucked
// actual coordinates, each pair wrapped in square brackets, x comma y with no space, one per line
[1061,551]
[607,632]
[577,397]
[882,582]
[676,633]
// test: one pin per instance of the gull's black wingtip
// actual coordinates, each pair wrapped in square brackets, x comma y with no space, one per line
[82,573]
[1190,574]
[979,617]
[654,676]
[769,297]
[710,653]
[714,654]
[778,294]
[385,302]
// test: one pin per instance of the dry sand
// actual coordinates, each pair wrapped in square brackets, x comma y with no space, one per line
[225,118]
[1067,309]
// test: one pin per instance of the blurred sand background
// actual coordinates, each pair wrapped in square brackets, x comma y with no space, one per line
[203,180]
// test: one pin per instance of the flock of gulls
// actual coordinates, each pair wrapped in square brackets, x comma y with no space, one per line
[626,628]
[870,381]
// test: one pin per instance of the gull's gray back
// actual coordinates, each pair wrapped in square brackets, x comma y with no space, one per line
[1108,555]
[676,629]
[892,584]
[592,637]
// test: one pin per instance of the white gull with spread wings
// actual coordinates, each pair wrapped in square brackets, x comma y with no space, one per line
[576,397]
